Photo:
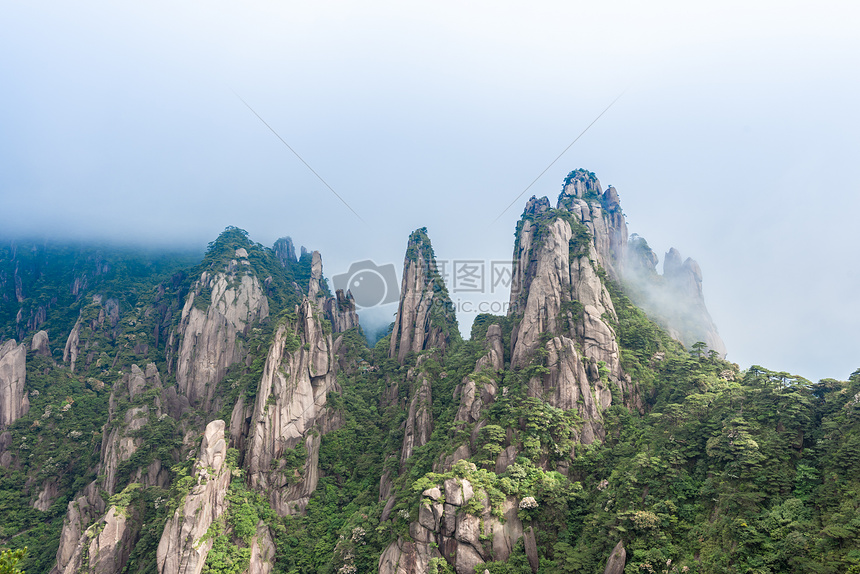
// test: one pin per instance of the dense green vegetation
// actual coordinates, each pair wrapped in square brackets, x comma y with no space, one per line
[721,470]
[126,301]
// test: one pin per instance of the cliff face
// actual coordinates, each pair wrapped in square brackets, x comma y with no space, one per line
[562,311]
[219,307]
[675,300]
[82,512]
[13,372]
[93,540]
[501,420]
[291,401]
[184,545]
[425,316]
[457,523]
[419,419]
[478,390]
[340,311]
[120,442]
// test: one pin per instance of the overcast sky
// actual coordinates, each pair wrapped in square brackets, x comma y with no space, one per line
[736,140]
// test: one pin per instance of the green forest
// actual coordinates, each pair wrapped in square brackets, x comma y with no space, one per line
[723,469]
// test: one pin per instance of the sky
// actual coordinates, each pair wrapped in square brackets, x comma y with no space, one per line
[735,138]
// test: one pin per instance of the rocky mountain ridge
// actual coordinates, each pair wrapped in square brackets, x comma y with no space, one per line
[230,418]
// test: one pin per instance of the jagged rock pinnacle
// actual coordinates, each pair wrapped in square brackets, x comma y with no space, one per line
[425,315]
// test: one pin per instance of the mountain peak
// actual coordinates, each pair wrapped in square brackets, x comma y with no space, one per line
[425,314]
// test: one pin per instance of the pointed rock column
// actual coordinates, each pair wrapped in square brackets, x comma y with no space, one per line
[13,371]
[71,350]
[183,547]
[340,311]
[425,315]
[690,321]
[562,305]
[298,375]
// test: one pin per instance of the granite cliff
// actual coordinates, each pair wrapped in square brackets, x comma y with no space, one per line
[228,417]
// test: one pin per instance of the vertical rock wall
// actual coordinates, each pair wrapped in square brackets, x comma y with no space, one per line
[291,401]
[208,333]
[184,544]
[13,373]
[425,317]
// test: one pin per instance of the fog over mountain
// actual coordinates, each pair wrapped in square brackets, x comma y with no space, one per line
[735,140]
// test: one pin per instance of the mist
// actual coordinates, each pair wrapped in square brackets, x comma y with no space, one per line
[735,138]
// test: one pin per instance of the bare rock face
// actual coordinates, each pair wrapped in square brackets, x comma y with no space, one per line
[81,513]
[262,551]
[425,316]
[340,311]
[479,389]
[291,401]
[560,294]
[531,549]
[419,420]
[208,331]
[615,564]
[39,344]
[406,557]
[445,530]
[675,301]
[183,547]
[47,495]
[106,545]
[315,286]
[71,350]
[13,371]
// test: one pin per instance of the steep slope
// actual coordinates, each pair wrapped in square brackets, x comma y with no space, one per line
[425,317]
[100,528]
[13,372]
[675,299]
[184,545]
[572,435]
[228,303]
[282,451]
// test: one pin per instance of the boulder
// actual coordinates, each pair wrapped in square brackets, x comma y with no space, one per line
[39,344]
[617,559]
